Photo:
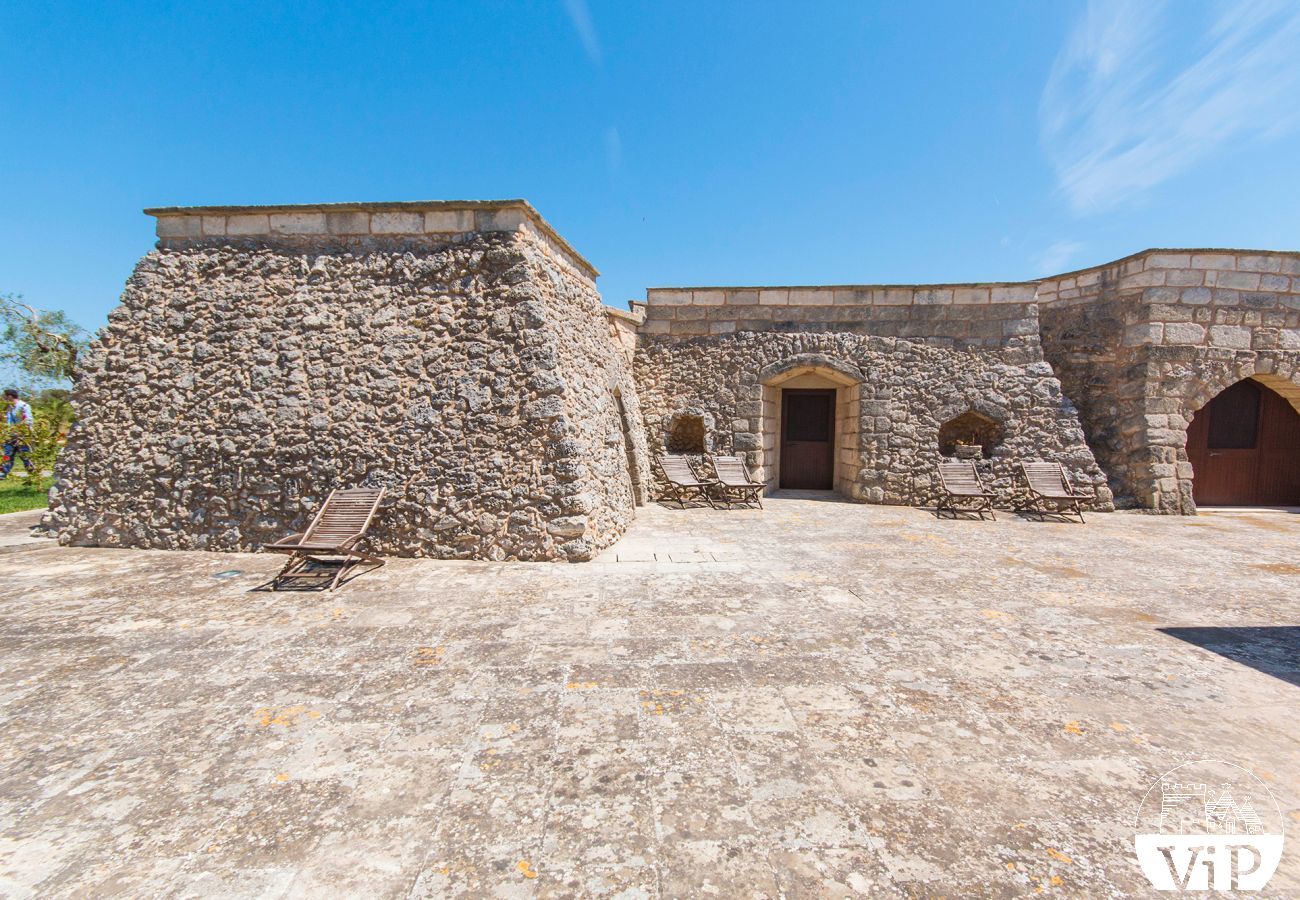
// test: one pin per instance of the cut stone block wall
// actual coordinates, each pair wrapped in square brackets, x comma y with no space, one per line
[260,358]
[1145,342]
[961,315]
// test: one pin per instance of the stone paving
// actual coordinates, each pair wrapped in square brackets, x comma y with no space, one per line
[818,699]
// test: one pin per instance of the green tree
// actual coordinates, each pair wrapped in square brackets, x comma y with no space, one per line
[43,343]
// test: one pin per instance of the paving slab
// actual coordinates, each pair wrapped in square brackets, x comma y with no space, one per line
[817,699]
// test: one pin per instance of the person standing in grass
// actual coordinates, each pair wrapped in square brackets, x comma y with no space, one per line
[18,413]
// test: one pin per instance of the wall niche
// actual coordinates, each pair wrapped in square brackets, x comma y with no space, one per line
[969,435]
[687,433]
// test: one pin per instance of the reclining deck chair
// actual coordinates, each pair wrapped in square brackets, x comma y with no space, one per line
[962,483]
[1050,491]
[734,482]
[682,482]
[337,530]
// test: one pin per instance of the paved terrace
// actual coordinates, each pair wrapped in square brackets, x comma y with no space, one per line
[818,699]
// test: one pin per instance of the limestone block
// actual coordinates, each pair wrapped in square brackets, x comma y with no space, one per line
[248,224]
[1194,295]
[892,297]
[1160,295]
[1274,283]
[668,298]
[774,298]
[708,298]
[1026,326]
[1214,261]
[1145,278]
[1232,337]
[970,295]
[1260,263]
[816,297]
[1184,333]
[742,298]
[1242,281]
[722,327]
[499,219]
[298,223]
[1169,260]
[214,225]
[1184,277]
[1137,335]
[348,222]
[179,226]
[1013,293]
[932,297]
[1289,339]
[449,221]
[397,223]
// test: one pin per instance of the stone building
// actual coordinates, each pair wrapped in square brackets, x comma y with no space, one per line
[458,353]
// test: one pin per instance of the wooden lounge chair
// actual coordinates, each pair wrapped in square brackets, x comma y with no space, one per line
[1050,491]
[683,484]
[734,482]
[337,530]
[962,483]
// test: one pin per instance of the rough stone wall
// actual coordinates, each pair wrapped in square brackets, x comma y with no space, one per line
[245,375]
[1145,342]
[904,391]
[595,369]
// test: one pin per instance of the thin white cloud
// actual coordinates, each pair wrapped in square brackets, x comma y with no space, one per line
[1056,258]
[1124,110]
[580,16]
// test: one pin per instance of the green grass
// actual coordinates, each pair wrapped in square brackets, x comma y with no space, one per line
[16,494]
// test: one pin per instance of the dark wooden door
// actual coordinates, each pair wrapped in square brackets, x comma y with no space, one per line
[1244,446]
[807,439]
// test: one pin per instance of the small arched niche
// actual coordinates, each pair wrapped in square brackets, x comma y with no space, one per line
[687,433]
[969,435]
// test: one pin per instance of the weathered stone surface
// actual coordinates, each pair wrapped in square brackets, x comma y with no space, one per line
[238,383]
[904,391]
[814,700]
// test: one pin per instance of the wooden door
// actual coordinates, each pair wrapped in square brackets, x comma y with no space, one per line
[1278,476]
[808,439]
[1244,446]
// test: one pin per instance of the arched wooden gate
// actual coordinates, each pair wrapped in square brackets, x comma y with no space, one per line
[1244,446]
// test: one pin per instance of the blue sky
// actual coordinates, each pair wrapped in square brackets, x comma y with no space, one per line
[673,143]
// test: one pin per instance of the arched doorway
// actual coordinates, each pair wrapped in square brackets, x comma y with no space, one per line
[1244,447]
[811,424]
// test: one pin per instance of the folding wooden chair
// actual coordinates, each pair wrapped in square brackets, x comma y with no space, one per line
[337,530]
[682,482]
[961,482]
[734,482]
[1050,491]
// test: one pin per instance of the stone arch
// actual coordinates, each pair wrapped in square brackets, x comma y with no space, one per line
[828,367]
[1207,390]
[812,370]
[977,404]
[1162,472]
